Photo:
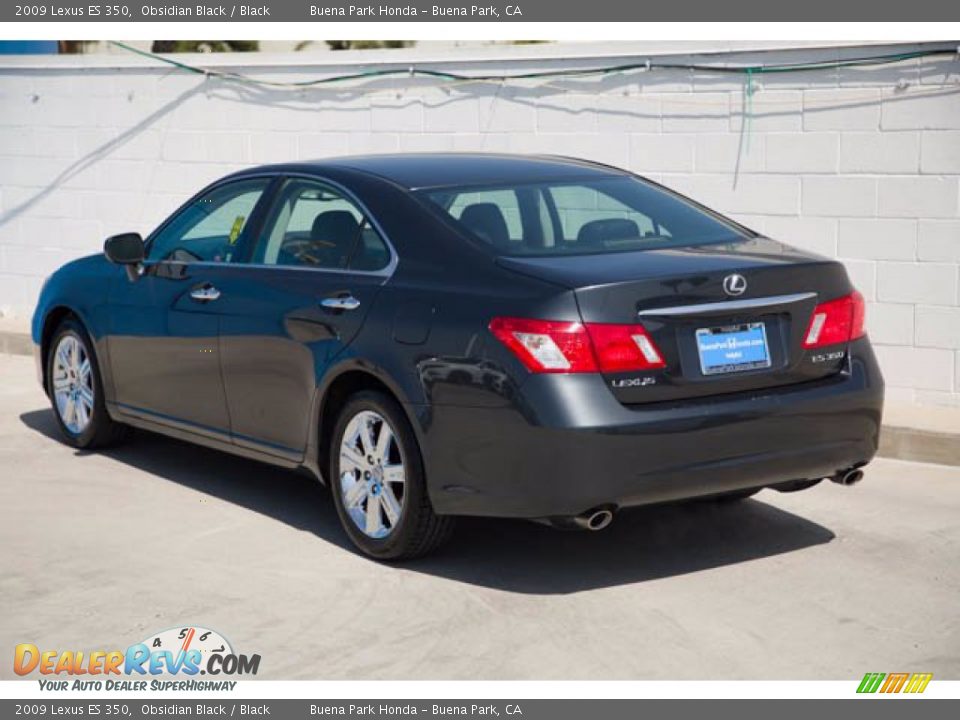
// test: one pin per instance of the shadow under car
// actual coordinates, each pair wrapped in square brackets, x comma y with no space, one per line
[645,543]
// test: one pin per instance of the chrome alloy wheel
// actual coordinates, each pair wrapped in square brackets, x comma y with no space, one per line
[72,381]
[372,475]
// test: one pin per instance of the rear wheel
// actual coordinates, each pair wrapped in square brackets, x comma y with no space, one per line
[379,488]
[76,389]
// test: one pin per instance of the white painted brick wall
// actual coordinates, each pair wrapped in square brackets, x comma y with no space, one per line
[879,153]
[938,327]
[841,109]
[663,153]
[876,239]
[939,241]
[891,323]
[814,152]
[919,368]
[934,283]
[917,196]
[940,152]
[846,196]
[859,164]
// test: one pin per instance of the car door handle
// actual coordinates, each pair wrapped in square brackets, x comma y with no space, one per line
[205,293]
[341,302]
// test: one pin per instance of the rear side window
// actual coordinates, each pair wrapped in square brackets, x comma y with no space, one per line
[503,202]
[614,214]
[313,225]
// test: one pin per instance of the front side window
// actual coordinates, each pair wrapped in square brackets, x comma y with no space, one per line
[209,228]
[313,225]
[606,215]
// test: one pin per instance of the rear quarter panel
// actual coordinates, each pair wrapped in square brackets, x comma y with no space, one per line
[428,328]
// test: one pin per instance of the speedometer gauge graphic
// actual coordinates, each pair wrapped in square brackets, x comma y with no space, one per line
[179,640]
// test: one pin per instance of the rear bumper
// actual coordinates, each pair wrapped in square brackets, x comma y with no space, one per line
[566,445]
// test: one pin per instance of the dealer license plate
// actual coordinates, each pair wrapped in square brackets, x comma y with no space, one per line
[733,348]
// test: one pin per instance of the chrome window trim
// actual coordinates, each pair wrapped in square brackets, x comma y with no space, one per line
[723,306]
[298,268]
[385,272]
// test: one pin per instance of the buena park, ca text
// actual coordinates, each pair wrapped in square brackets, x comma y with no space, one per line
[487,11]
[436,710]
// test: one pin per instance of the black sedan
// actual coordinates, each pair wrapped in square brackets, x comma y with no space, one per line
[455,334]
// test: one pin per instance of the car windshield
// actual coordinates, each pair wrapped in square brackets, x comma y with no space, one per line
[598,215]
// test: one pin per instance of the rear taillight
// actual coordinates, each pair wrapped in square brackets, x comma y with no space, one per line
[836,321]
[623,348]
[548,346]
[545,345]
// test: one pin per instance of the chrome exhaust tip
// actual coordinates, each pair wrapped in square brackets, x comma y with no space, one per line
[848,477]
[594,519]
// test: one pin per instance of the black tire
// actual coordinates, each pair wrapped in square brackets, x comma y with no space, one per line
[419,530]
[101,431]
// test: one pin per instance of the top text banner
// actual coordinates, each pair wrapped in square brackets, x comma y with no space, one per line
[516,11]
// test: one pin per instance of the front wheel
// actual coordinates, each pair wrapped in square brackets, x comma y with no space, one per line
[76,389]
[378,483]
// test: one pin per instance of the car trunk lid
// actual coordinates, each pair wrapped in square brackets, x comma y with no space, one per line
[714,339]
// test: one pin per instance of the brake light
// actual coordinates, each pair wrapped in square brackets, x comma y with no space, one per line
[836,321]
[547,346]
[622,348]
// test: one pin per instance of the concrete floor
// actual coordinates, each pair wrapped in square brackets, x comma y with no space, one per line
[100,550]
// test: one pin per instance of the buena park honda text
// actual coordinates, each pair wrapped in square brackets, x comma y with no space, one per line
[455,334]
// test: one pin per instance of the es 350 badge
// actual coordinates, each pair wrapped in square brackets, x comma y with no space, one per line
[186,651]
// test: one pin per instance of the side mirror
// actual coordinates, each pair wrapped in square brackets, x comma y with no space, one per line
[126,249]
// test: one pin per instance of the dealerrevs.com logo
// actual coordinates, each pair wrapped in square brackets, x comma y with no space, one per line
[184,652]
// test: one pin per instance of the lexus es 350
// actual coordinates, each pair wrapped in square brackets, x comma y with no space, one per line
[491,335]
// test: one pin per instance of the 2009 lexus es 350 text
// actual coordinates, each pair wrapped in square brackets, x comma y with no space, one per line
[455,334]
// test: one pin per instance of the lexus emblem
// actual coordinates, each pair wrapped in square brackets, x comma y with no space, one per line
[734,284]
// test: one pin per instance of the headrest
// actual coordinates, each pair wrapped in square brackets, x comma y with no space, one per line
[487,221]
[338,228]
[597,232]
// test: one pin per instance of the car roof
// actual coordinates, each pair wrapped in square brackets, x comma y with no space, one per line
[435,170]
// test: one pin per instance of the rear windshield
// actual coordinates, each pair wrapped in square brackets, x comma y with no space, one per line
[605,215]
